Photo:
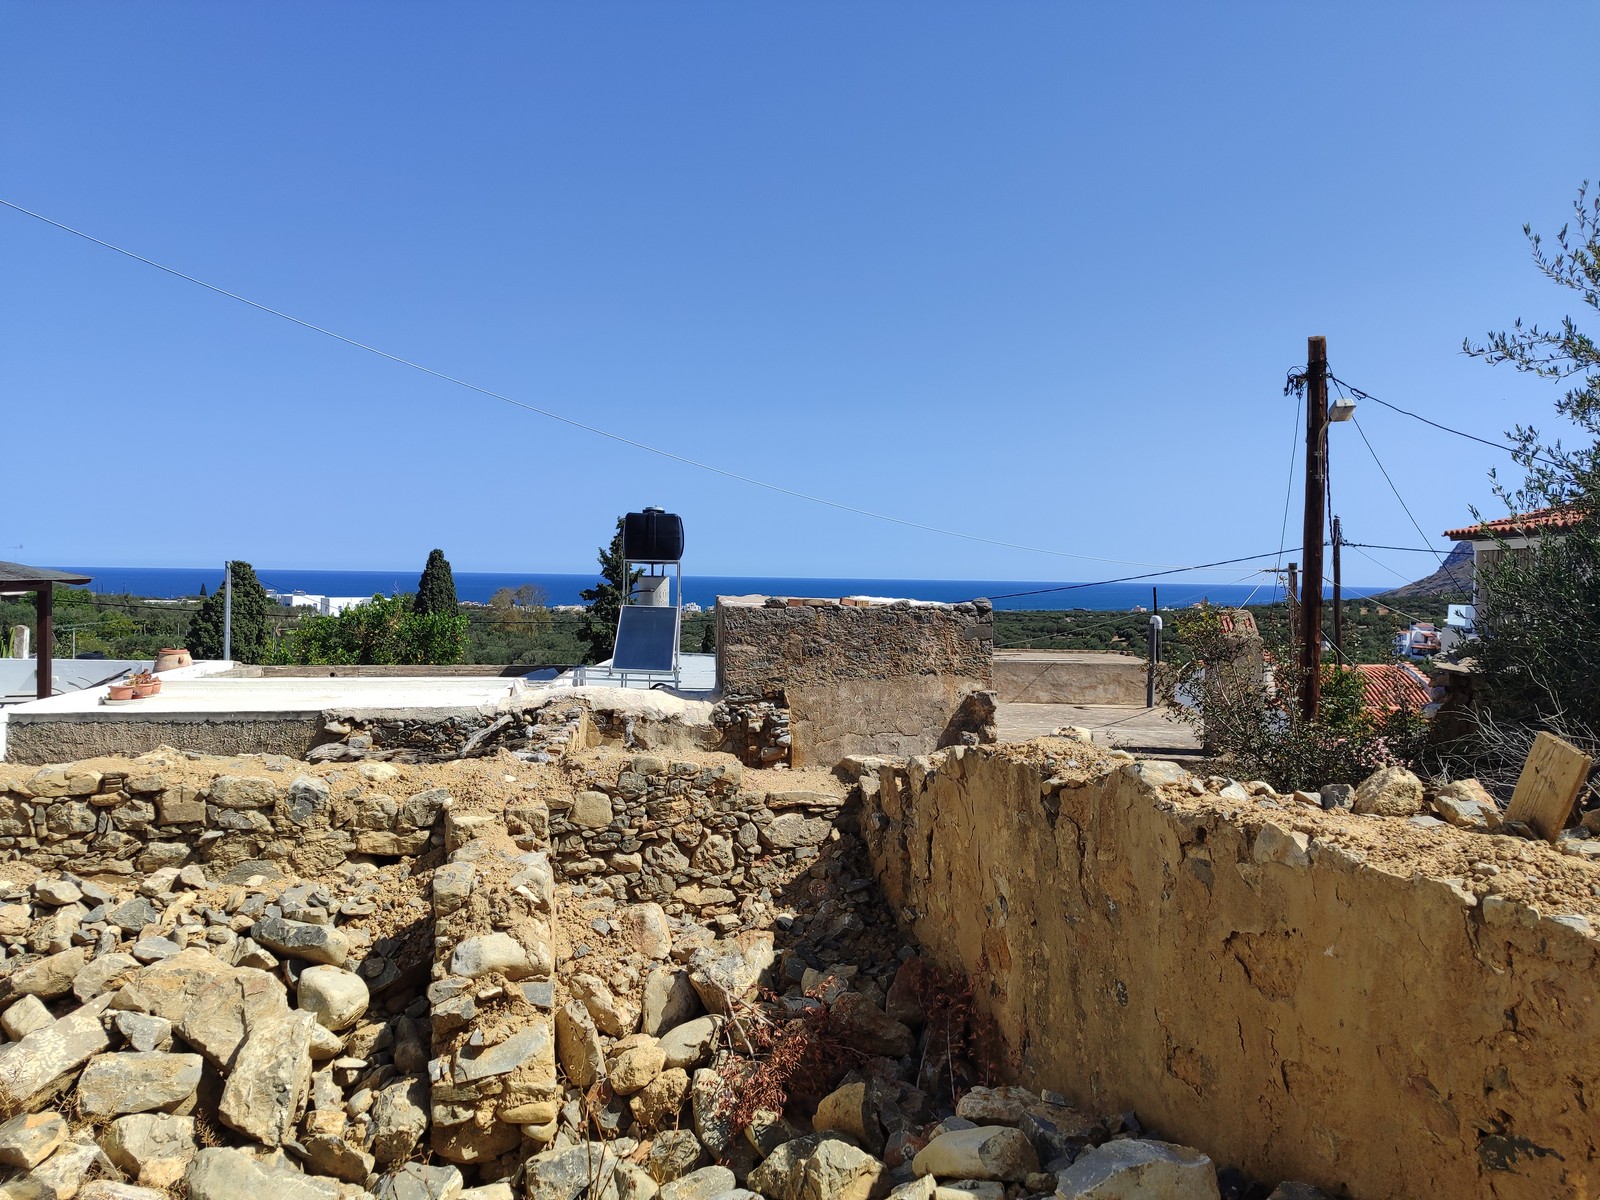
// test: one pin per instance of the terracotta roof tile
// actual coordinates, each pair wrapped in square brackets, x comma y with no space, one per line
[1518,526]
[1390,686]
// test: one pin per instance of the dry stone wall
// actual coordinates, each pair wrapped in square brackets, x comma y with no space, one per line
[897,678]
[1314,995]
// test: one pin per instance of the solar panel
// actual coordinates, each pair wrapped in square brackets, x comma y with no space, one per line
[646,639]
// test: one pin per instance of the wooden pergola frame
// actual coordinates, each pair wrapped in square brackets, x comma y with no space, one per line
[41,581]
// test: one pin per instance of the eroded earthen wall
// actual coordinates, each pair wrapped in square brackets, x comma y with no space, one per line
[1288,990]
[859,679]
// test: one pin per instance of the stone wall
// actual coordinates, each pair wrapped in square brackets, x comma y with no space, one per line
[112,822]
[1354,1001]
[684,834]
[859,678]
[47,737]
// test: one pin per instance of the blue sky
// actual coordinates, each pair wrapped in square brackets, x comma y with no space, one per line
[1031,272]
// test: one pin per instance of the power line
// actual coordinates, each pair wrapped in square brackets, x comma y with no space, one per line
[1402,500]
[569,421]
[1288,489]
[1361,395]
[1071,587]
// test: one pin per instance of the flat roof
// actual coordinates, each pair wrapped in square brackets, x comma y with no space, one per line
[22,575]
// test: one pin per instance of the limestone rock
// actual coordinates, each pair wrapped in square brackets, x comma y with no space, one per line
[29,1138]
[612,1016]
[657,1104]
[869,1029]
[1131,1167]
[223,1006]
[710,1103]
[399,1119]
[336,997]
[142,1031]
[634,1183]
[982,1152]
[1389,792]
[23,1017]
[327,1154]
[669,1000]
[499,953]
[303,940]
[136,1082]
[106,1189]
[1300,1191]
[722,978]
[50,977]
[690,1044]
[63,1174]
[819,1168]
[636,1066]
[708,1183]
[673,1155]
[1274,844]
[267,1086]
[154,1149]
[1466,803]
[578,1044]
[223,1173]
[419,1181]
[103,973]
[583,1172]
[41,1064]
[851,1109]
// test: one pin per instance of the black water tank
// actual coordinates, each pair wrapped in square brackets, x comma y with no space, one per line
[653,535]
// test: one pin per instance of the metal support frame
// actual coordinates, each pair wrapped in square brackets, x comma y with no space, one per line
[676,673]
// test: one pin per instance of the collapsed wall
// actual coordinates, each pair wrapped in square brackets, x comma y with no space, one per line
[860,678]
[1352,1000]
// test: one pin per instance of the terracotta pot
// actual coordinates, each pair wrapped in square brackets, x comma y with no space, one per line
[147,689]
[120,691]
[170,659]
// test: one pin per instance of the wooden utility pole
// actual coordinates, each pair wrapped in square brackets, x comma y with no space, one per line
[1338,606]
[1316,490]
[1293,594]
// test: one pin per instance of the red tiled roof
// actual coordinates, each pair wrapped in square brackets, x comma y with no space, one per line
[1386,687]
[1538,520]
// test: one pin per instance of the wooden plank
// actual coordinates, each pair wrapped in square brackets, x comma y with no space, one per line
[1549,785]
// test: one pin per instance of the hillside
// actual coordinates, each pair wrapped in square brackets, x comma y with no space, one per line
[1453,578]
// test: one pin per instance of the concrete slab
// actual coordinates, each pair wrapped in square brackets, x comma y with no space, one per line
[1122,726]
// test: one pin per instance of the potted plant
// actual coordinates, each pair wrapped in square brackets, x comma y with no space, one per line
[144,683]
[121,690]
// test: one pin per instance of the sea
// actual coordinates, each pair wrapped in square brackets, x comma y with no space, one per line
[478,586]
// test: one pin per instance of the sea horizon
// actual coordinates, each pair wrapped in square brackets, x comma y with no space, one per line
[563,588]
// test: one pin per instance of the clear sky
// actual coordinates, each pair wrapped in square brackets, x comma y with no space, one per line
[1030,271]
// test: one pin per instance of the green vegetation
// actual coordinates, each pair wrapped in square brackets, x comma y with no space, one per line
[1538,615]
[386,629]
[1218,688]
[252,629]
[436,590]
[1370,627]
[606,599]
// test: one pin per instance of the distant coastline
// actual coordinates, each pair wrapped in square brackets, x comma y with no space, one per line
[478,586]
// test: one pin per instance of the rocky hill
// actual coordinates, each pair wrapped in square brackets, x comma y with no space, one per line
[1453,578]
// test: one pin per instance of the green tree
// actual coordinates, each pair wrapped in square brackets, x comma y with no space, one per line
[606,598]
[1538,614]
[436,590]
[251,627]
[386,630]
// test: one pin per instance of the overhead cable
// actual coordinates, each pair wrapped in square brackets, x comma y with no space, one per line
[565,420]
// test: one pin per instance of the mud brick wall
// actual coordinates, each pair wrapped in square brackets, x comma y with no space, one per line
[1305,994]
[896,678]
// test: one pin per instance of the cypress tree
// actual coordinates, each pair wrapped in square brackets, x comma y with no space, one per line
[436,590]
[251,629]
[606,599]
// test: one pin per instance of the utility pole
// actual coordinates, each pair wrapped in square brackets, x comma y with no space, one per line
[1338,605]
[227,609]
[1316,490]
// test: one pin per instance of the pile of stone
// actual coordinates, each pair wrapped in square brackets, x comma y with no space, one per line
[755,729]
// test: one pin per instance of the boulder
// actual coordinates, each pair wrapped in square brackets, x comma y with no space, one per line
[636,1066]
[23,1017]
[1389,792]
[155,1149]
[137,1082]
[851,1109]
[27,1139]
[721,979]
[44,1062]
[1466,803]
[583,1172]
[669,1000]
[643,928]
[106,1189]
[303,940]
[690,1044]
[267,1086]
[223,1173]
[819,1168]
[330,1154]
[48,978]
[996,1152]
[710,1102]
[224,1007]
[578,1044]
[708,1183]
[657,1104]
[63,1174]
[1131,1167]
[869,1029]
[336,997]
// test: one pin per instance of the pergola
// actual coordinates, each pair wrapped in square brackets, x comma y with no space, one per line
[41,581]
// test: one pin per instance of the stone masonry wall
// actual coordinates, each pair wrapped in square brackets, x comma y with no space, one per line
[685,835]
[1349,1000]
[896,678]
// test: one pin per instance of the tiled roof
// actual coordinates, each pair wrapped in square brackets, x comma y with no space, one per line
[1537,521]
[1386,687]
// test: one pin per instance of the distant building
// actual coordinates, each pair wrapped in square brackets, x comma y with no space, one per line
[325,606]
[1507,535]
[1392,687]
